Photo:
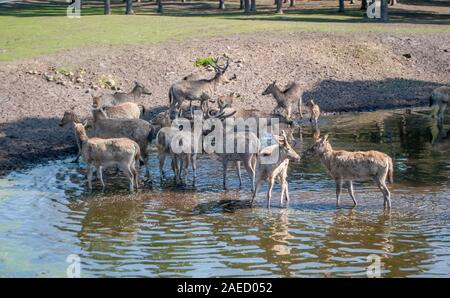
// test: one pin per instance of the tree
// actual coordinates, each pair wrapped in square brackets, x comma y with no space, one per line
[107,9]
[384,10]
[222,4]
[247,6]
[253,5]
[160,6]
[363,4]
[341,6]
[279,6]
[129,9]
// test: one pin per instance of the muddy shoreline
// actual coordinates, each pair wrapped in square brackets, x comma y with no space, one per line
[342,72]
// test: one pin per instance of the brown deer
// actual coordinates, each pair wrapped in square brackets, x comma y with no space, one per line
[347,166]
[192,90]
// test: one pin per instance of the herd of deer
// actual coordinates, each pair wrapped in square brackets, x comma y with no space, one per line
[118,137]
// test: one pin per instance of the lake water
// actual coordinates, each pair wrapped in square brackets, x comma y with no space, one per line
[47,216]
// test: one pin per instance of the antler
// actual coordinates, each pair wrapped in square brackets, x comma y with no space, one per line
[219,68]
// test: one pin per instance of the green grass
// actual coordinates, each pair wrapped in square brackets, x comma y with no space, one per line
[42,29]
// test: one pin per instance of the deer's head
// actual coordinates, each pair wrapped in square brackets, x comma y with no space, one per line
[96,102]
[139,87]
[69,117]
[320,146]
[286,149]
[220,70]
[270,88]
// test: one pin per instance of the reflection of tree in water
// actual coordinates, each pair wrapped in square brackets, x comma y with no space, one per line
[352,236]
[424,165]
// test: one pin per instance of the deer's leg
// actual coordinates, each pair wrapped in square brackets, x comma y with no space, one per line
[269,191]
[238,170]
[253,168]
[185,168]
[127,171]
[441,111]
[283,190]
[255,192]
[89,176]
[225,164]
[300,108]
[162,160]
[338,191]
[249,168]
[350,191]
[77,157]
[381,182]
[99,170]
[194,166]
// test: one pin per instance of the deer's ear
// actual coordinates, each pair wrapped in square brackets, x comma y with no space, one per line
[85,123]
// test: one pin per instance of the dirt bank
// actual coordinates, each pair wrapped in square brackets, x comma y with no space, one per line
[342,72]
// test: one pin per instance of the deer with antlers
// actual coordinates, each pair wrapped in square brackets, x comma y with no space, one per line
[193,90]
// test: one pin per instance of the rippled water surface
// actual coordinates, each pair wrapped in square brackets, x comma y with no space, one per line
[47,215]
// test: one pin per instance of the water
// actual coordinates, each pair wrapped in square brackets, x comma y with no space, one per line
[47,215]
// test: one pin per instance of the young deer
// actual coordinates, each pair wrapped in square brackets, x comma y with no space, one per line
[191,90]
[314,111]
[102,153]
[347,166]
[273,164]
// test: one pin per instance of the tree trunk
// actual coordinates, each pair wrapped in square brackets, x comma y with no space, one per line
[247,6]
[363,4]
[341,6]
[253,5]
[160,6]
[241,4]
[107,9]
[222,4]
[129,7]
[384,10]
[292,3]
[393,2]
[279,7]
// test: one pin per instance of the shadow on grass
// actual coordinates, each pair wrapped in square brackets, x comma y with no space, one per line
[209,9]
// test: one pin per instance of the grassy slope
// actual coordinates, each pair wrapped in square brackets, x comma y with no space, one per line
[44,29]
